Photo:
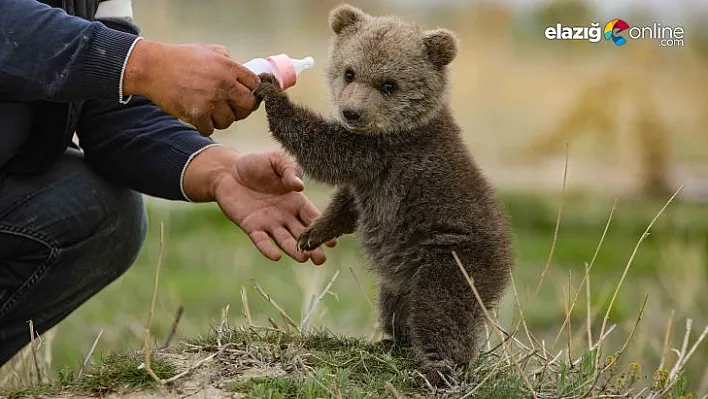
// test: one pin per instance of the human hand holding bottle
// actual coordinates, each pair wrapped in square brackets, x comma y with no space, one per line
[196,83]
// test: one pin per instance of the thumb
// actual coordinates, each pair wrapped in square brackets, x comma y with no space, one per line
[217,48]
[289,171]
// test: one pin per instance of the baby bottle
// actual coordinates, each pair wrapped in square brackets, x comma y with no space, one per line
[284,68]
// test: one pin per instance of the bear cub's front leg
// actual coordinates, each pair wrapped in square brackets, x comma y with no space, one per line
[291,125]
[340,217]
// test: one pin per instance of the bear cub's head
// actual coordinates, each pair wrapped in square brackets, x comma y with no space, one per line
[386,74]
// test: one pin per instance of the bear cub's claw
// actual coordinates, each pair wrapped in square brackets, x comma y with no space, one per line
[306,241]
[312,238]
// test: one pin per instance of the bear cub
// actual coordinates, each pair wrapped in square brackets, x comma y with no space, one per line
[404,181]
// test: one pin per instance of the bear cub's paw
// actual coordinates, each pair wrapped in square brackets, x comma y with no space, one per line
[268,87]
[438,373]
[310,239]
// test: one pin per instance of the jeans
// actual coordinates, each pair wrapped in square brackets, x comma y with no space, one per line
[64,236]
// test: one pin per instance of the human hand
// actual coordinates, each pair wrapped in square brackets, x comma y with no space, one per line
[261,193]
[198,84]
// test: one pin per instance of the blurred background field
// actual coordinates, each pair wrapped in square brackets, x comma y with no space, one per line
[634,118]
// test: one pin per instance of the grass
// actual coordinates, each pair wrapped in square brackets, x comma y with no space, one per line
[670,268]
[115,372]
[319,364]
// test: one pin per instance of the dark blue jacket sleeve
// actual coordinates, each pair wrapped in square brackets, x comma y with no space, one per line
[46,54]
[137,144]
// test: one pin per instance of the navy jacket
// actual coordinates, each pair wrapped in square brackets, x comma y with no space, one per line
[60,75]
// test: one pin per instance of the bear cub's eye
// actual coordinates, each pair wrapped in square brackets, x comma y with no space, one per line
[388,87]
[348,75]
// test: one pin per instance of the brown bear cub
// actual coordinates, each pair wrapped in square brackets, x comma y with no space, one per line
[404,181]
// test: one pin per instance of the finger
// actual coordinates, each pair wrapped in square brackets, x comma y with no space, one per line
[308,212]
[292,163]
[246,77]
[241,114]
[223,116]
[295,227]
[203,125]
[318,256]
[331,243]
[287,242]
[288,170]
[265,245]
[241,98]
[217,48]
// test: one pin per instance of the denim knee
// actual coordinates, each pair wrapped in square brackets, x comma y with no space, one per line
[126,230]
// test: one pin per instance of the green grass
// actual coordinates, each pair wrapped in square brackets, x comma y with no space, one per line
[207,261]
[321,364]
[111,373]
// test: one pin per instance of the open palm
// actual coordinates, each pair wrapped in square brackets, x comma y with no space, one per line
[263,196]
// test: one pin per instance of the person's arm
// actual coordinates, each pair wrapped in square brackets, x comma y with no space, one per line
[138,145]
[46,54]
[141,147]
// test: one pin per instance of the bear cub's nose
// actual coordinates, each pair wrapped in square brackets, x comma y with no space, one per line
[351,114]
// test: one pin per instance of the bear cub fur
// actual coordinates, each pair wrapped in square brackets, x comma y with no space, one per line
[404,181]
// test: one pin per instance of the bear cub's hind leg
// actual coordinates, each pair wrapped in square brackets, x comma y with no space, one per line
[393,316]
[444,319]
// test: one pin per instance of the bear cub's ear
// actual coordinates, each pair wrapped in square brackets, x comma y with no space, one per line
[344,16]
[440,46]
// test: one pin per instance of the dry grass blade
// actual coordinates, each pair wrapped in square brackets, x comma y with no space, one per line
[696,344]
[631,333]
[588,306]
[522,317]
[683,356]
[392,390]
[361,287]
[310,307]
[197,365]
[629,264]
[305,325]
[569,309]
[146,344]
[173,327]
[274,324]
[34,352]
[90,353]
[270,300]
[585,279]
[486,378]
[488,336]
[470,281]
[285,323]
[246,307]
[223,325]
[667,336]
[555,233]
